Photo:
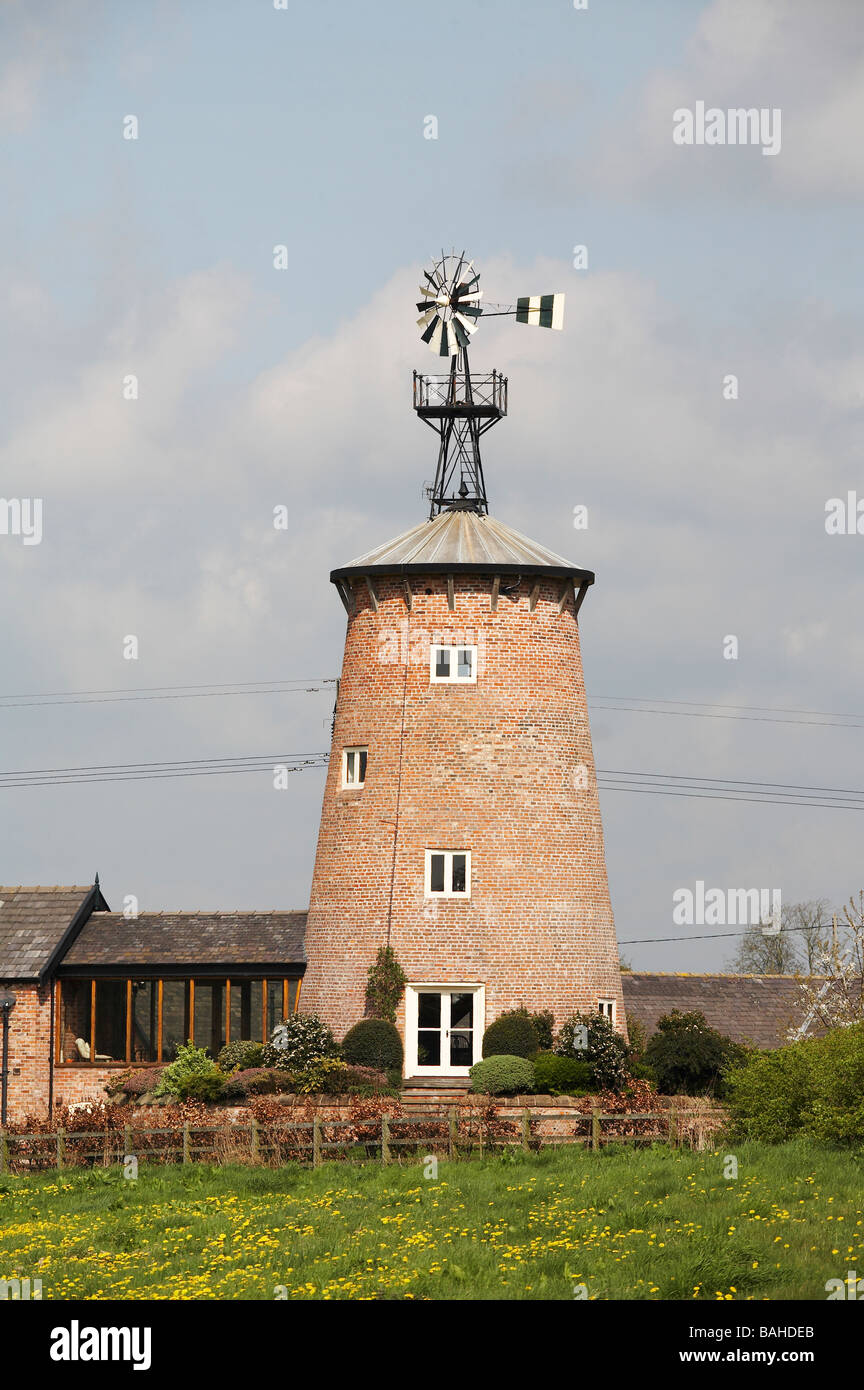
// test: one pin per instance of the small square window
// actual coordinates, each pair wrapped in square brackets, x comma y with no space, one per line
[354,767]
[606,1007]
[453,665]
[448,873]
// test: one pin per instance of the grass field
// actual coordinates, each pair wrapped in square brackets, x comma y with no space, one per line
[645,1224]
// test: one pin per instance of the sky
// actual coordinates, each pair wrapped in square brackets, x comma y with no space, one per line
[303,127]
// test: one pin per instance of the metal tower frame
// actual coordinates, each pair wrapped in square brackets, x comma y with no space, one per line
[460,409]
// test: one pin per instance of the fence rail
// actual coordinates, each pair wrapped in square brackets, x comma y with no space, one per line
[456,1133]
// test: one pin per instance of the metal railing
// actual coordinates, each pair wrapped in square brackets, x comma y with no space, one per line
[432,391]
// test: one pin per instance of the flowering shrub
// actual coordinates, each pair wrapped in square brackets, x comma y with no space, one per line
[592,1038]
[297,1042]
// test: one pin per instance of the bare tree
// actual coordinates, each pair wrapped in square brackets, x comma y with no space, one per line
[810,923]
[836,996]
[764,950]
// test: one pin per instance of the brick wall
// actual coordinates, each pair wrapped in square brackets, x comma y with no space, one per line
[30,1044]
[487,768]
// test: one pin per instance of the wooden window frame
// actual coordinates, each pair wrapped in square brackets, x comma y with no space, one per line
[448,875]
[290,983]
[454,649]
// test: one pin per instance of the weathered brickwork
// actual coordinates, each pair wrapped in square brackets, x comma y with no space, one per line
[486,767]
[30,1044]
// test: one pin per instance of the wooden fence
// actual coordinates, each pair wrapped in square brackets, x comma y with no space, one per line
[458,1134]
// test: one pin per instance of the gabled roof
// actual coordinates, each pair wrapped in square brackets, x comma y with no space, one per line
[754,1009]
[188,939]
[462,540]
[36,923]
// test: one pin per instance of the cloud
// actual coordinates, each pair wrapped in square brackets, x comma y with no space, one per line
[48,46]
[807,60]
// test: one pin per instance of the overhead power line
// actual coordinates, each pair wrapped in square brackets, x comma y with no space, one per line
[624,704]
[717,936]
[645,783]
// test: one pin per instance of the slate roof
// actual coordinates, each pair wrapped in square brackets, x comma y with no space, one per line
[189,939]
[755,1009]
[462,540]
[34,923]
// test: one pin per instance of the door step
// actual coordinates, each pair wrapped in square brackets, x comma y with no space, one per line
[422,1092]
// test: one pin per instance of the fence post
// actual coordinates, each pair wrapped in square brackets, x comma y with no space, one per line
[673,1127]
[451,1132]
[127,1140]
[254,1138]
[316,1142]
[61,1146]
[526,1129]
[385,1138]
[595,1128]
[186,1151]
[4,1156]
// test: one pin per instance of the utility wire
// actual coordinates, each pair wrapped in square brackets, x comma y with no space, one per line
[640,704]
[717,936]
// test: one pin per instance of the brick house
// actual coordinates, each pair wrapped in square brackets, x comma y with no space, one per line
[96,992]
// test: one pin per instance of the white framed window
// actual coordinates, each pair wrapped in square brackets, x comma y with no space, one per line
[453,665]
[354,767]
[606,1007]
[448,873]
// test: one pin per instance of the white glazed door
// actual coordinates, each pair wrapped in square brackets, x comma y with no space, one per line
[445,1026]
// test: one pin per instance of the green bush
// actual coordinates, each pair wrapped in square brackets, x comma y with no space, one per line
[502,1075]
[688,1057]
[373,1042]
[513,1034]
[812,1089]
[592,1038]
[562,1076]
[297,1042]
[385,985]
[190,1061]
[544,1022]
[201,1085]
[255,1081]
[241,1055]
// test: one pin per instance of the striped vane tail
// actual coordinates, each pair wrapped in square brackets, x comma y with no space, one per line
[541,310]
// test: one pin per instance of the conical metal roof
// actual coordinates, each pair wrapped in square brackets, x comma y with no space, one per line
[466,541]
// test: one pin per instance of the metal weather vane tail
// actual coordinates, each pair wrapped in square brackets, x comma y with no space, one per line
[458,407]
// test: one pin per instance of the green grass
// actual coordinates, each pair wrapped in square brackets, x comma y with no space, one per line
[628,1224]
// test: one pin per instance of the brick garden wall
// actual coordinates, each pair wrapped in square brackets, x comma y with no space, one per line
[487,768]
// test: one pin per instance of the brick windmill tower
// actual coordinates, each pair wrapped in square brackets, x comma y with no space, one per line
[461,823]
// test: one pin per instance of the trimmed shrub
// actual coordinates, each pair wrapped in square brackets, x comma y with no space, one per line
[190,1061]
[592,1038]
[134,1083]
[254,1081]
[562,1076]
[502,1076]
[373,1042]
[688,1057]
[297,1042]
[513,1034]
[201,1085]
[241,1055]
